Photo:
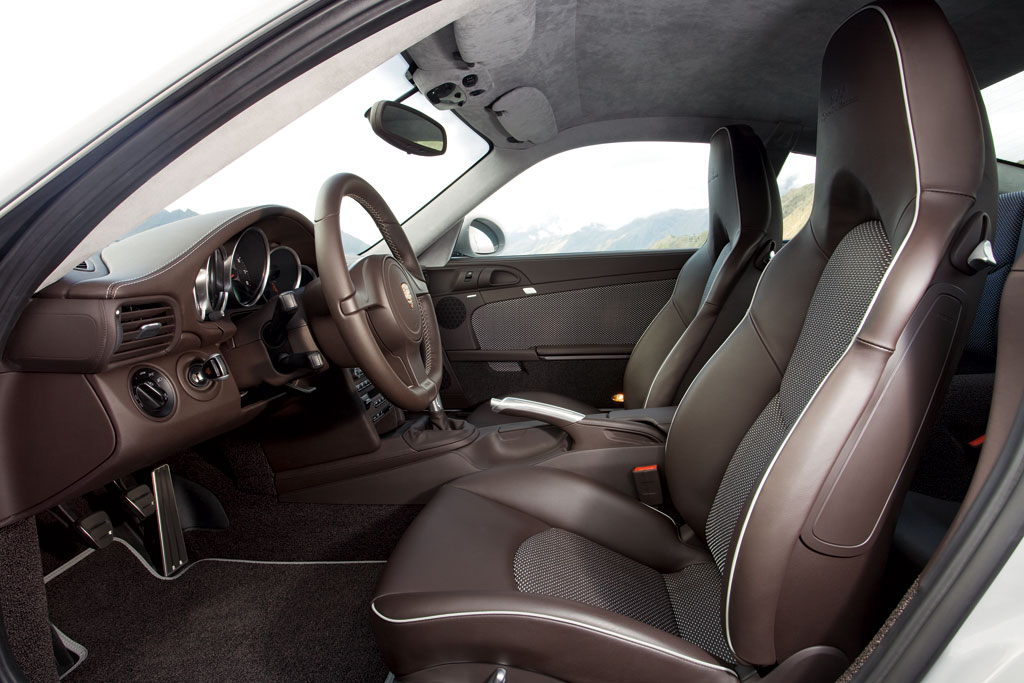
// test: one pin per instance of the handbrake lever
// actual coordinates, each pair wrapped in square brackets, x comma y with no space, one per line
[586,432]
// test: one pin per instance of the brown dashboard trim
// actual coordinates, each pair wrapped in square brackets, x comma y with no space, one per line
[139,271]
[55,432]
[68,423]
[52,446]
[65,335]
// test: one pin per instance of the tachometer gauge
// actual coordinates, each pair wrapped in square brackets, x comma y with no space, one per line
[250,266]
[285,271]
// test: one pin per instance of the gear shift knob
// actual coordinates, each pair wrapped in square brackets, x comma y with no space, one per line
[437,417]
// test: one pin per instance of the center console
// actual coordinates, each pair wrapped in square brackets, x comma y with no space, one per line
[382,415]
[346,443]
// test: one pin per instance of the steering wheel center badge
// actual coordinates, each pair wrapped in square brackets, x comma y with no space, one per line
[408,295]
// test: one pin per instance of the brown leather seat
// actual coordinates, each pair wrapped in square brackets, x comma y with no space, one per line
[713,288]
[790,450]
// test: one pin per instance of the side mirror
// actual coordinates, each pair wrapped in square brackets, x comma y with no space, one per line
[480,237]
[407,129]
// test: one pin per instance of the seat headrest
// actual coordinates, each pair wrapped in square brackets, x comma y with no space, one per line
[898,114]
[742,190]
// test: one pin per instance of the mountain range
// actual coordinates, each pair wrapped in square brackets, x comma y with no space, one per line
[638,234]
[672,229]
[796,209]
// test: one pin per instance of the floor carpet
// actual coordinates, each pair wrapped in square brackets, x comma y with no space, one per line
[218,621]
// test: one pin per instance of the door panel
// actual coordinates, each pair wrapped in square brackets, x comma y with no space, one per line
[546,323]
[592,381]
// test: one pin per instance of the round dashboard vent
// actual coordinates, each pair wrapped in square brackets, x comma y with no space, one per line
[451,312]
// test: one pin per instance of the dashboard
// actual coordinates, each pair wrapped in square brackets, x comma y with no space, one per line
[162,340]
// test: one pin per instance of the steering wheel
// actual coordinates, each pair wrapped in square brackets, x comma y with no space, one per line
[381,307]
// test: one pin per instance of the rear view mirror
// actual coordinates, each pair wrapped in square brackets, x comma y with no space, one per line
[407,129]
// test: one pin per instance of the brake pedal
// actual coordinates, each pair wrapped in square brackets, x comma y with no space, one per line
[97,529]
[140,501]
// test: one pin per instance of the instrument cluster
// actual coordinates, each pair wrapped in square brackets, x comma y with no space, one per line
[245,272]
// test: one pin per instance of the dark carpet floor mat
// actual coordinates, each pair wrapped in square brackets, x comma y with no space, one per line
[219,621]
[948,461]
[262,528]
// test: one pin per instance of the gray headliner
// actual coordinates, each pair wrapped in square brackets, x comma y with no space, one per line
[720,60]
[697,102]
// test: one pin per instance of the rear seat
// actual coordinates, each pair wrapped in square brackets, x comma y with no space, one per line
[951,453]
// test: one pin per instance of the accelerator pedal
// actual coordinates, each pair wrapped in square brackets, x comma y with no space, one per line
[173,554]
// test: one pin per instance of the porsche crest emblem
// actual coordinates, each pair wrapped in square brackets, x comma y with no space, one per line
[408,295]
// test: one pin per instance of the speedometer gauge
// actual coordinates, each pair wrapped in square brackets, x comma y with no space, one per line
[285,271]
[250,266]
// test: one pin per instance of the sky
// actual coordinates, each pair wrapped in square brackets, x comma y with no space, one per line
[65,59]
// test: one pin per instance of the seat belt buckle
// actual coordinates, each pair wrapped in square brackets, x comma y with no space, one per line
[647,480]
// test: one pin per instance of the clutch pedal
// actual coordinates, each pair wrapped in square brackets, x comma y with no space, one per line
[95,530]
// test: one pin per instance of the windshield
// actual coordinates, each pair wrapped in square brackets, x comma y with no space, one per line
[289,167]
[71,68]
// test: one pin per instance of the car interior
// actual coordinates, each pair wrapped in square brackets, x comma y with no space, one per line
[245,444]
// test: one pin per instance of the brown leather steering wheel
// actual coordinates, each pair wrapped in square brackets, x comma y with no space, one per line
[381,307]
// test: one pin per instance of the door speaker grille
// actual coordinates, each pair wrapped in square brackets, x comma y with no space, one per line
[451,313]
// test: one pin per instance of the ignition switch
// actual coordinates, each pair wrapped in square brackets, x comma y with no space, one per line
[202,374]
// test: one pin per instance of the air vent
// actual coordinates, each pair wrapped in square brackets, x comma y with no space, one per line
[85,266]
[146,328]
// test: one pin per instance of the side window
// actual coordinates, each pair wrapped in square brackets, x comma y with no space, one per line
[1004,102]
[628,196]
[796,185]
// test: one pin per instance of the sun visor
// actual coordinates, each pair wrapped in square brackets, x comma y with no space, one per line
[497,35]
[526,114]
